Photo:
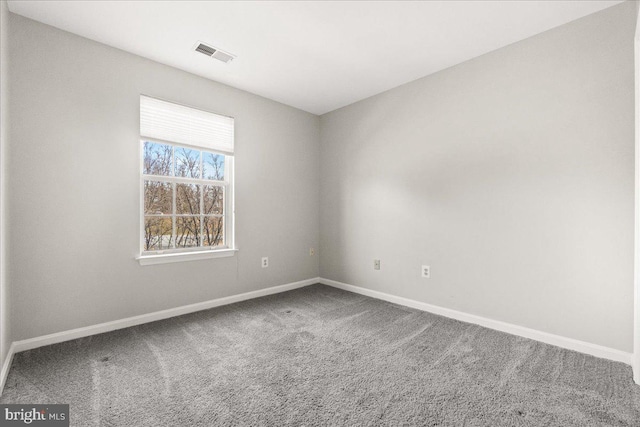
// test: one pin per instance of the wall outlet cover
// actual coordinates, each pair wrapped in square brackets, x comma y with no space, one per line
[426,271]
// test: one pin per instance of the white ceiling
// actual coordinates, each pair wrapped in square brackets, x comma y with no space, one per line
[316,56]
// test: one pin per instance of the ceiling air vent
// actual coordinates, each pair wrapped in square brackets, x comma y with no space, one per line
[213,52]
[222,56]
[203,48]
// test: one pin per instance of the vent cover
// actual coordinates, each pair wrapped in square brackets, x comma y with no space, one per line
[222,56]
[213,52]
[203,48]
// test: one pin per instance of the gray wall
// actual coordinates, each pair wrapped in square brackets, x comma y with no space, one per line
[511,175]
[74,197]
[4,124]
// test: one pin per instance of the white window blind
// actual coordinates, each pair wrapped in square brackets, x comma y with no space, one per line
[166,121]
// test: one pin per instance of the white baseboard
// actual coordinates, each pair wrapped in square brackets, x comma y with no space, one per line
[568,343]
[5,367]
[86,331]
[559,341]
[152,317]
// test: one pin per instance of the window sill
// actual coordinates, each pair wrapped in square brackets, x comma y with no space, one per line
[184,256]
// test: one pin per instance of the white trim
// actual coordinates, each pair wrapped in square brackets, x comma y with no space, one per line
[4,373]
[29,344]
[559,341]
[101,328]
[183,180]
[636,253]
[563,342]
[184,256]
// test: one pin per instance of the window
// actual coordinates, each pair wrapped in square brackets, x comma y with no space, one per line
[186,181]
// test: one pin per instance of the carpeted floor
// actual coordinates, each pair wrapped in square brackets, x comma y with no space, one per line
[319,356]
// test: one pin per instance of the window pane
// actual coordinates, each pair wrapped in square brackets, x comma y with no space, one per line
[157,233]
[158,198]
[187,199]
[187,231]
[213,200]
[157,159]
[187,162]
[213,229]
[213,165]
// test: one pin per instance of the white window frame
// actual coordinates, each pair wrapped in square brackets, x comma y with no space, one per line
[193,253]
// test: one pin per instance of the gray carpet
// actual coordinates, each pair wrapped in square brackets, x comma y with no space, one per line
[319,356]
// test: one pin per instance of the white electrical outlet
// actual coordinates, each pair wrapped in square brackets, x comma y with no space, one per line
[312,252]
[426,271]
[265,262]
[376,264]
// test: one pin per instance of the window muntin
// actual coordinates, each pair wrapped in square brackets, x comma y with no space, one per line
[186,195]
